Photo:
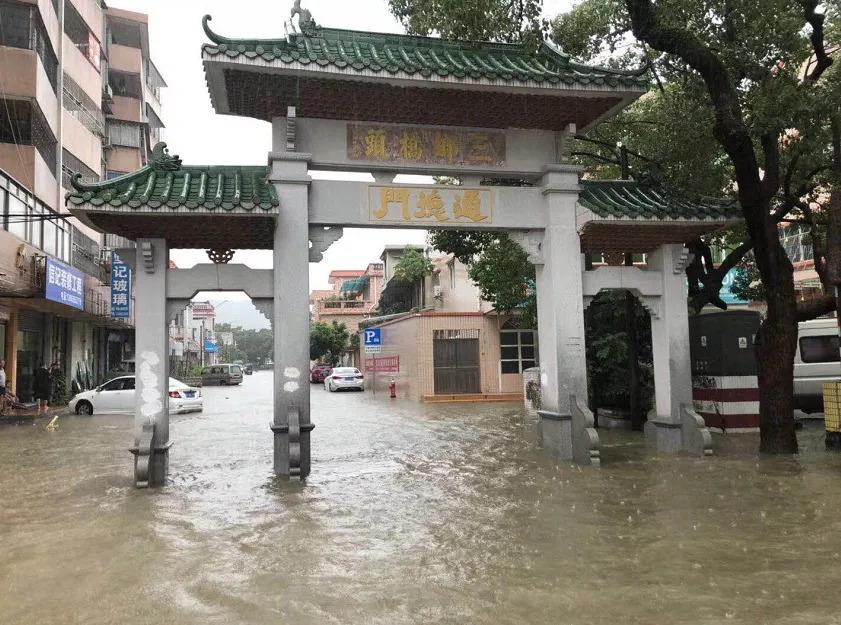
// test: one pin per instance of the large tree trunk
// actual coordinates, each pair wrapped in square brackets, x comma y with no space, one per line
[775,357]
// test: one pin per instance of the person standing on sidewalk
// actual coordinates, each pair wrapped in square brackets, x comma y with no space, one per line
[41,388]
[2,378]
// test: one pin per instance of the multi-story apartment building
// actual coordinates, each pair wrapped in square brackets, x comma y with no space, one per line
[193,341]
[133,102]
[59,116]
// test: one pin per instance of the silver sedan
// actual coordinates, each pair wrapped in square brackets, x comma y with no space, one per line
[345,378]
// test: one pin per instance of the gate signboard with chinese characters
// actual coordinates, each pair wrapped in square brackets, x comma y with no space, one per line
[430,204]
[413,145]
[120,288]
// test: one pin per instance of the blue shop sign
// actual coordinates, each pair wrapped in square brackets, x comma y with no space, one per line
[210,347]
[65,284]
[120,288]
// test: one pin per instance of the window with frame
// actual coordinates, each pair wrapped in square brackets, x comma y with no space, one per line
[518,349]
[815,349]
[17,215]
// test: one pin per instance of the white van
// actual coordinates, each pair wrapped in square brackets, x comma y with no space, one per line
[816,361]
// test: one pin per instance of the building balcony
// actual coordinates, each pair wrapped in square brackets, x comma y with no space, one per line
[333,307]
[29,81]
[81,70]
[25,164]
[125,59]
[127,108]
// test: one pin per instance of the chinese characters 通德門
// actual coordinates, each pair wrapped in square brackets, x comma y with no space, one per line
[447,204]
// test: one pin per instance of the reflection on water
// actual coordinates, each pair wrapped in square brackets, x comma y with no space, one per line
[413,514]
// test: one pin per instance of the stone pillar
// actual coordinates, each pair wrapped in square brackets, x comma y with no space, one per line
[291,423]
[151,414]
[670,349]
[565,422]
[12,351]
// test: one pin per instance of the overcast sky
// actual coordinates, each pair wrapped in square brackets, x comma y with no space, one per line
[201,137]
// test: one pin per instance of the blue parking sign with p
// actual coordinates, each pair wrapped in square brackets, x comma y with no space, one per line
[373,336]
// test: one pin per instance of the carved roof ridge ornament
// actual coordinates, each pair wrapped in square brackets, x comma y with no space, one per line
[308,26]
[162,160]
[82,186]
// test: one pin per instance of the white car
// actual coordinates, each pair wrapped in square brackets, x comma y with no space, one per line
[117,397]
[345,378]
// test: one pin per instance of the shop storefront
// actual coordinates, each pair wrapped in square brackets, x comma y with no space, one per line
[30,350]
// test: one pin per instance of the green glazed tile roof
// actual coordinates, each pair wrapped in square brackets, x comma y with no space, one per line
[356,51]
[621,199]
[166,183]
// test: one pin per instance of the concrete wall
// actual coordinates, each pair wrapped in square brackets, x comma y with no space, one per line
[351,321]
[91,12]
[400,339]
[125,59]
[24,163]
[82,143]
[127,109]
[411,338]
[77,66]
[459,294]
[28,80]
[123,159]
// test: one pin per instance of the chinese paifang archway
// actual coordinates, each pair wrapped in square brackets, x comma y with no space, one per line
[394,104]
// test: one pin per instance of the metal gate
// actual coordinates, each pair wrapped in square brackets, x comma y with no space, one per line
[456,361]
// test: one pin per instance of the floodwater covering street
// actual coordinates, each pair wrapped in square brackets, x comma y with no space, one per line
[413,513]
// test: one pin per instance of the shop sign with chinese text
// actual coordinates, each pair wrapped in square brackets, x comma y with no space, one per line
[64,284]
[418,145]
[120,288]
[385,364]
[430,204]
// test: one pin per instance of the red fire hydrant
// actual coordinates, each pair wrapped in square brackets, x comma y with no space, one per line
[392,389]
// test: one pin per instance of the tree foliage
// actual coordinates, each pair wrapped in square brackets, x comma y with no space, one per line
[255,346]
[763,76]
[473,20]
[744,104]
[620,369]
[328,341]
[498,265]
[412,266]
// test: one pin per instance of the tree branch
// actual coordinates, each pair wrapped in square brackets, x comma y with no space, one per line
[729,124]
[816,20]
[710,277]
[814,308]
[771,151]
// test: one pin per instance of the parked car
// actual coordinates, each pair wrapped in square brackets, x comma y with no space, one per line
[125,367]
[248,369]
[319,372]
[347,378]
[815,362]
[117,397]
[221,374]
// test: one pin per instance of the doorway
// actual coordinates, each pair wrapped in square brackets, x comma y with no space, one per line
[455,355]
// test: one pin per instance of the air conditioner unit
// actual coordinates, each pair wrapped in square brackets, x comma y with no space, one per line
[436,291]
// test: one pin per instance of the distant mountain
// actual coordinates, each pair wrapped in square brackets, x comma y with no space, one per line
[240,313]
